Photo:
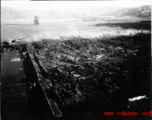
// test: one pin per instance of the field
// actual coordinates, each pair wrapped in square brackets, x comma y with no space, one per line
[89,67]
[92,75]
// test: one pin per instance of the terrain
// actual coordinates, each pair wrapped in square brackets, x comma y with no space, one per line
[86,63]
[81,13]
[56,28]
[87,76]
[79,22]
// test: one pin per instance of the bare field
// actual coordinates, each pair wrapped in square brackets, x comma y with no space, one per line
[95,75]
[94,66]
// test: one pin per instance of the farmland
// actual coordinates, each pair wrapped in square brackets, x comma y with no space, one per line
[88,67]
[87,76]
[75,60]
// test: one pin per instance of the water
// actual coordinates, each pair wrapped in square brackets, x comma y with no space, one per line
[55,29]
[88,32]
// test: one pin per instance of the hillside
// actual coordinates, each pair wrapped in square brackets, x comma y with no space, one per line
[12,13]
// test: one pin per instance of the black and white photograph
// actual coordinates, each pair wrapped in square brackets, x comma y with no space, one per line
[76,60]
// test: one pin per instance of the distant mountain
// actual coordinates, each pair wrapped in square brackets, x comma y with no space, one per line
[144,11]
[12,13]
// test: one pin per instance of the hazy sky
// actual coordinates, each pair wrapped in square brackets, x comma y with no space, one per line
[48,5]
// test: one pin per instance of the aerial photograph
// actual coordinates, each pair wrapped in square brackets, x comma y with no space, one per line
[76,60]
